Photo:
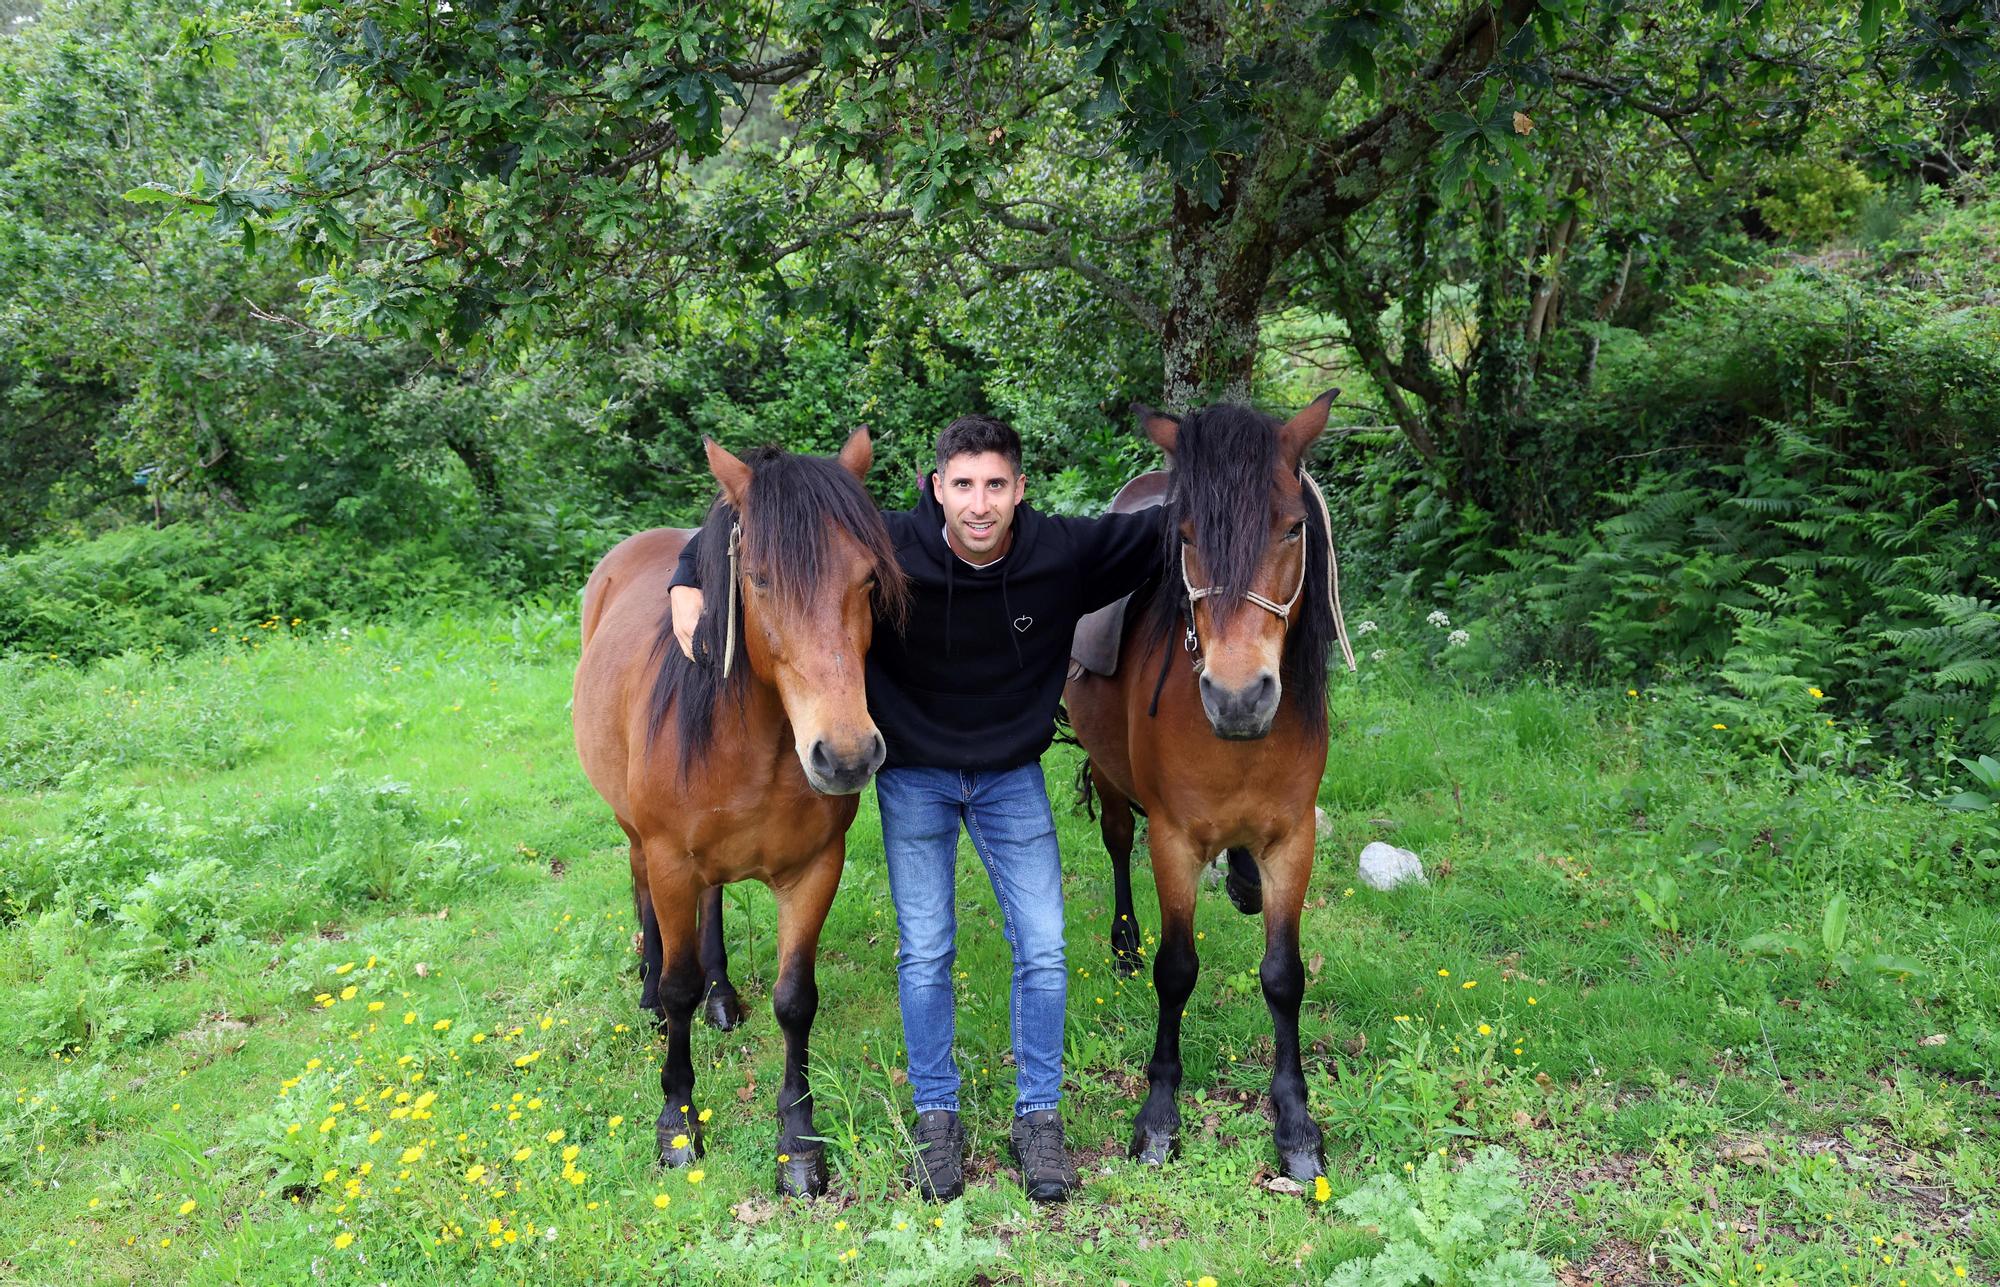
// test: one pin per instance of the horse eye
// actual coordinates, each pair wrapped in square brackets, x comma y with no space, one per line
[1297,530]
[759,580]
[869,583]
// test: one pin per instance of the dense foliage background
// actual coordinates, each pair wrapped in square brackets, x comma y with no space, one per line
[1669,335]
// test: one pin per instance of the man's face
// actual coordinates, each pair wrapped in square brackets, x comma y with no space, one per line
[979,494]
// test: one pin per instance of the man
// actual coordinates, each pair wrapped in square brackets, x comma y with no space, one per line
[965,698]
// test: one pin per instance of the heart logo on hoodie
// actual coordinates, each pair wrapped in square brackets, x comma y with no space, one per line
[1022,623]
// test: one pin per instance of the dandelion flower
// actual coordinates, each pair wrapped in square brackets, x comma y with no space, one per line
[679,1141]
[1485,1030]
[187,1206]
[347,993]
[373,1006]
[660,1201]
[442,1025]
[1469,984]
[523,1153]
[1321,1189]
[473,1172]
[616,1122]
[1719,728]
[569,1154]
[695,1176]
[705,1114]
[342,1242]
[1206,1280]
[414,1153]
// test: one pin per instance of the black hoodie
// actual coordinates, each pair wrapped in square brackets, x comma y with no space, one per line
[974,679]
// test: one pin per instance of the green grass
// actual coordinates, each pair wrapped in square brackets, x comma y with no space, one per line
[194,851]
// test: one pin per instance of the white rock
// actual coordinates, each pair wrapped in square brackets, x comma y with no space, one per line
[1386,867]
[1322,825]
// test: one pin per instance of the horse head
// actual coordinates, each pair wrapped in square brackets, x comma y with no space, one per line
[1241,540]
[813,565]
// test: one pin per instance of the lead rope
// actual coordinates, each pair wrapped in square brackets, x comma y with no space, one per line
[735,591]
[1332,573]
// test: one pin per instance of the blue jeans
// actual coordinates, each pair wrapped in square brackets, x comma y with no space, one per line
[1006,812]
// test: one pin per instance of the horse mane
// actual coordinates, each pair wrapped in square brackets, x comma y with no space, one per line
[1224,459]
[794,499]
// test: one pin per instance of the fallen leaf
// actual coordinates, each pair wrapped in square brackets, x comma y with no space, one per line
[1935,1039]
[1522,125]
[1284,1184]
[754,1210]
[423,970]
[1355,1044]
[1314,966]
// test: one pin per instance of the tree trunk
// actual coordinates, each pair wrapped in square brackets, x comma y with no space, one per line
[479,462]
[1209,332]
[1587,369]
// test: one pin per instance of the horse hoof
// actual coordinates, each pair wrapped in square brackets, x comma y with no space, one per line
[802,1175]
[679,1143]
[1155,1148]
[722,1010]
[1246,895]
[1303,1164]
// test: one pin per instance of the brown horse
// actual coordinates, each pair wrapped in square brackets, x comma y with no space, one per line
[1225,753]
[746,763]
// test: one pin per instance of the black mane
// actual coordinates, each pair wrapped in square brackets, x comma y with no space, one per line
[1224,459]
[795,499]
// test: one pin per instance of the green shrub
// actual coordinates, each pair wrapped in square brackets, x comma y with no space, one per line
[1445,1229]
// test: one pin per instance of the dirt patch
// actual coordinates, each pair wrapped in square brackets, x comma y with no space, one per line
[1614,1262]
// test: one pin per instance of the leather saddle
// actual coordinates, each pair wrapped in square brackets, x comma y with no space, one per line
[1094,646]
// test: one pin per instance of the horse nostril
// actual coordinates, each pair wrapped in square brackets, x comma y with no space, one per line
[818,757]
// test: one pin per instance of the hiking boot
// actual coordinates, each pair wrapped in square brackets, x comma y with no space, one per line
[938,1170]
[1046,1171]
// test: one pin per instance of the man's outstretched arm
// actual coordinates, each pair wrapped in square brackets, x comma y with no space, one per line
[1124,552]
[684,596]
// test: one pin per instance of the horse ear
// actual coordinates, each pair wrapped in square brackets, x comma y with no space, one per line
[1298,433]
[1163,429]
[732,473]
[858,453]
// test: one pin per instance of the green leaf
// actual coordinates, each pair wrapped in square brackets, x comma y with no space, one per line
[1775,943]
[151,193]
[1833,926]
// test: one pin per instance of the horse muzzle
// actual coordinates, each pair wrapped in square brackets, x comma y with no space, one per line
[1241,714]
[835,769]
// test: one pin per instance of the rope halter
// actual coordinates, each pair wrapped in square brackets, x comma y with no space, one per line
[1282,611]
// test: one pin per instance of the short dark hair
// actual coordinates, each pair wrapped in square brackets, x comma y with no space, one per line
[975,436]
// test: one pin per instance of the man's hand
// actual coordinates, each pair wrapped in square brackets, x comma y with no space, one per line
[686,603]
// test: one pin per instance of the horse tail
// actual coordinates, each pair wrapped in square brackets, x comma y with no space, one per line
[1086,790]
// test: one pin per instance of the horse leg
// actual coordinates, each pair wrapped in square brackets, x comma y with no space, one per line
[1287,867]
[678,1130]
[1243,884]
[1114,823]
[722,1009]
[794,1001]
[647,941]
[1176,868]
